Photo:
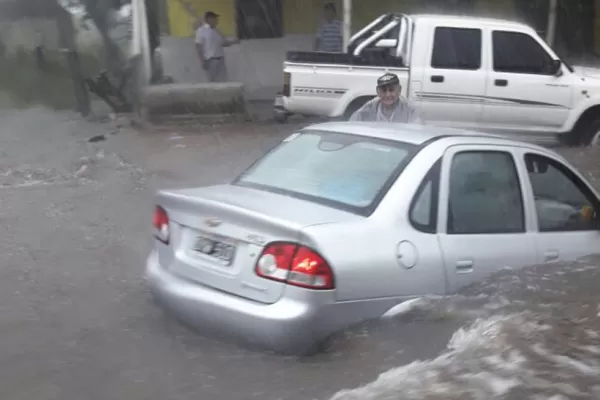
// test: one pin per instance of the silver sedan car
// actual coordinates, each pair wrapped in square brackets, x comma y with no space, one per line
[343,221]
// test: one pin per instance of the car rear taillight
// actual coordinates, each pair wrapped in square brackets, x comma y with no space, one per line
[295,265]
[161,225]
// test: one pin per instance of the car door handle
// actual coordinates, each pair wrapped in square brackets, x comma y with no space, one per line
[437,78]
[501,82]
[551,255]
[464,266]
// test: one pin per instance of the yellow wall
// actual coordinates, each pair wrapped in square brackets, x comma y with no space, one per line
[181,23]
[304,16]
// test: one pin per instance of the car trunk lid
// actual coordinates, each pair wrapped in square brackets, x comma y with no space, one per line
[220,231]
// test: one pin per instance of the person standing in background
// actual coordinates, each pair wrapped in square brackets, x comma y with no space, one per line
[209,45]
[329,36]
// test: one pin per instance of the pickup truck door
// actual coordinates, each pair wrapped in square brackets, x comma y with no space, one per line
[452,77]
[521,94]
[482,219]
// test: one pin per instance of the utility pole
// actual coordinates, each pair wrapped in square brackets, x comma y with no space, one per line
[551,26]
[347,23]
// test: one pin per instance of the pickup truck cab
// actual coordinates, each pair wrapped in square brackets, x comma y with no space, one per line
[490,75]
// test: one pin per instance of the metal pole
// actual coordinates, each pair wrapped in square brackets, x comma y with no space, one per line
[347,23]
[551,26]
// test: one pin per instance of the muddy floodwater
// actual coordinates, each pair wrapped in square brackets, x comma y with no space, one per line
[77,320]
[528,334]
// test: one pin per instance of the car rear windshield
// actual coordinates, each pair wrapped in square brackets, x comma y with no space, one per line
[344,171]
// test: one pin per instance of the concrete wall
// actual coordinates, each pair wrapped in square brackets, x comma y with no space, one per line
[256,63]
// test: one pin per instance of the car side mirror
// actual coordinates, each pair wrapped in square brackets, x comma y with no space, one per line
[555,68]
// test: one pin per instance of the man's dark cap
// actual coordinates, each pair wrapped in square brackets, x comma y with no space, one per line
[388,79]
[330,6]
[210,14]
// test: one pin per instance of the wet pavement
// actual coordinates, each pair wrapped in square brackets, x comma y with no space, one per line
[77,322]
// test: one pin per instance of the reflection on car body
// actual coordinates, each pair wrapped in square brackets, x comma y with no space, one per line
[355,218]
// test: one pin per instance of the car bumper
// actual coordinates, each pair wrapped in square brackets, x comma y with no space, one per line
[289,325]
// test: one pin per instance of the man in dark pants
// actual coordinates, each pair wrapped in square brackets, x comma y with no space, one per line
[388,106]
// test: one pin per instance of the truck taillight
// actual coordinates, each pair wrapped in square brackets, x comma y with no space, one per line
[161,225]
[295,265]
[287,84]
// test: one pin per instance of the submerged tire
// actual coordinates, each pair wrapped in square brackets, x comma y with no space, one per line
[355,105]
[590,133]
[585,133]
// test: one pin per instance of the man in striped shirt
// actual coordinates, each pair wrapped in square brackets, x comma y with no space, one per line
[329,35]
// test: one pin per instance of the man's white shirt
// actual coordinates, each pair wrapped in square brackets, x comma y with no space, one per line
[211,40]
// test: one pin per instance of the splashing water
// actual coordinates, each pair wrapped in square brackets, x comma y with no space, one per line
[534,334]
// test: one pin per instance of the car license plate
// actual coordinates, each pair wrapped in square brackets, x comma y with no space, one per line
[223,252]
[278,101]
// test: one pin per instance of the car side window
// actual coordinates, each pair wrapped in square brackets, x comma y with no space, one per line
[562,201]
[484,194]
[424,206]
[456,48]
[519,53]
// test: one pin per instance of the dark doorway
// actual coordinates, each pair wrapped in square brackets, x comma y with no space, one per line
[259,19]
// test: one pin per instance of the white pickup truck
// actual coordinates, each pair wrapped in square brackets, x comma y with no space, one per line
[473,73]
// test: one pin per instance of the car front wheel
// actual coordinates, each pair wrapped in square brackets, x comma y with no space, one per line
[588,134]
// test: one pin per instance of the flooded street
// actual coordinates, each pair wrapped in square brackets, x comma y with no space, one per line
[532,334]
[77,320]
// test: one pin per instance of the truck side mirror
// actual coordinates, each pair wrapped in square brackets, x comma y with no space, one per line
[387,43]
[555,68]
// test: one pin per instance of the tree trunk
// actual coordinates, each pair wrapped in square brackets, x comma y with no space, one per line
[98,11]
[66,33]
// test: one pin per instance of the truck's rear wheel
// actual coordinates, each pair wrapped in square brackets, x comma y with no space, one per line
[280,115]
[355,105]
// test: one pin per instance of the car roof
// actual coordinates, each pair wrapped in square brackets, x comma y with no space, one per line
[467,18]
[416,134]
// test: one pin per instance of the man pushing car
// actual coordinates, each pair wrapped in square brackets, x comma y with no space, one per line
[388,106]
